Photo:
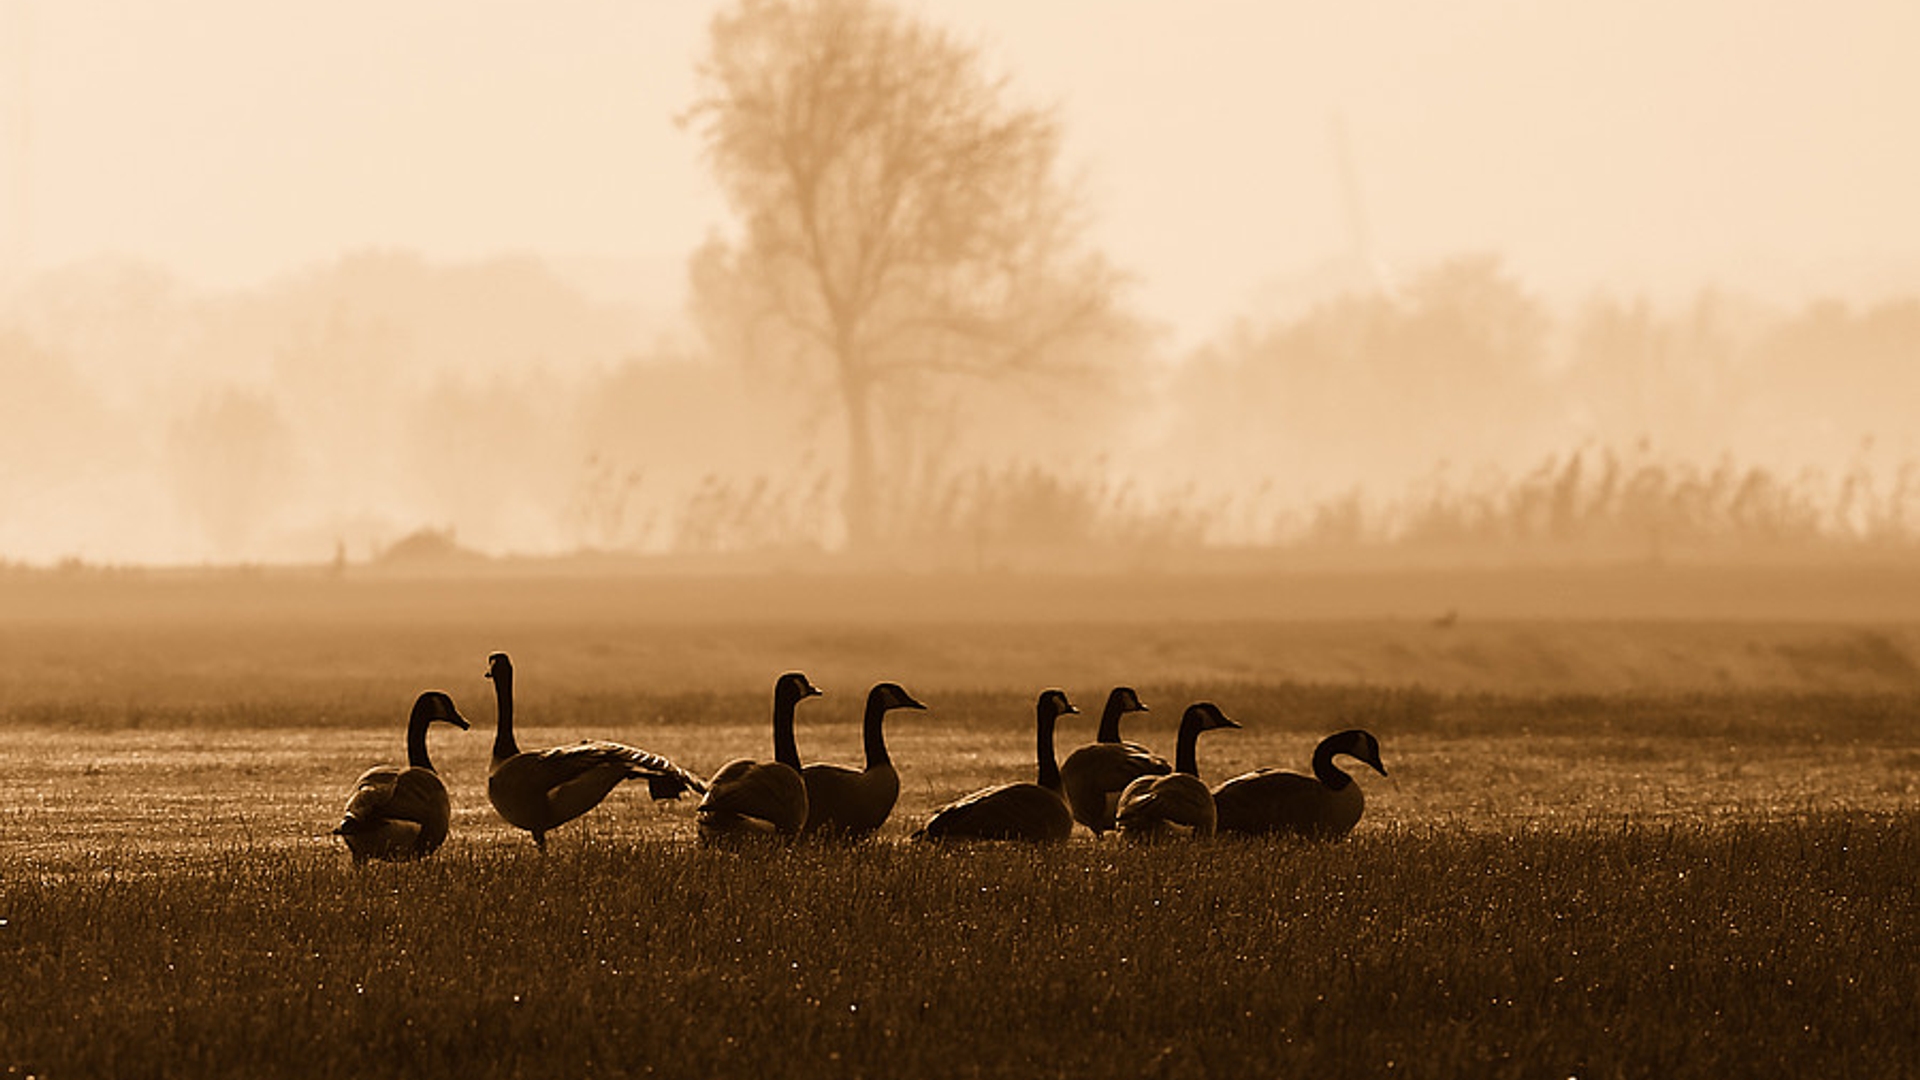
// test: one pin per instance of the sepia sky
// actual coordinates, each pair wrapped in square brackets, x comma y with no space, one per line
[1652,146]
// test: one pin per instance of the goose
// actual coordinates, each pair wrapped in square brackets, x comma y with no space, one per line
[1036,811]
[1325,805]
[1096,773]
[1156,806]
[852,803]
[541,790]
[402,813]
[755,798]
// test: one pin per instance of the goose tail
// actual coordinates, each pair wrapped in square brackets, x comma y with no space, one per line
[351,826]
[665,780]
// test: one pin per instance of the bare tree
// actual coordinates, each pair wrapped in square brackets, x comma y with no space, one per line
[901,220]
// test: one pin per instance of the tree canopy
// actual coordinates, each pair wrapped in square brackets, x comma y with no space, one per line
[902,220]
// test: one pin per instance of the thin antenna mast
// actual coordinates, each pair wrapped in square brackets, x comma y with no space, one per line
[1359,235]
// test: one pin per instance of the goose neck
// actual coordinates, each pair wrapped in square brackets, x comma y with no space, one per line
[1049,768]
[786,751]
[1110,721]
[503,744]
[1325,770]
[1186,753]
[417,740]
[873,734]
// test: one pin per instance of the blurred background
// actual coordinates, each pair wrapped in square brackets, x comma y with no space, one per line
[946,284]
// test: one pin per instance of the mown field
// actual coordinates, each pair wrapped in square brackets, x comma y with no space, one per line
[1608,847]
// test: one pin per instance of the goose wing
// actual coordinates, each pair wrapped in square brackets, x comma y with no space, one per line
[1094,775]
[851,801]
[1278,801]
[754,796]
[1152,804]
[395,813]
[563,765]
[392,793]
[1007,812]
[368,802]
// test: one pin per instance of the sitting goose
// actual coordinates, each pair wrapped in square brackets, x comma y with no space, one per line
[1095,774]
[1156,806]
[756,798]
[394,813]
[852,803]
[541,790]
[1325,805]
[1036,811]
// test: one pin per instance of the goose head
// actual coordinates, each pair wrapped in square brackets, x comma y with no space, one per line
[1124,700]
[1054,703]
[1357,744]
[888,695]
[434,706]
[793,688]
[1206,716]
[499,667]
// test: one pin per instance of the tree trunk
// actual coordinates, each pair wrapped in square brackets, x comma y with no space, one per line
[857,505]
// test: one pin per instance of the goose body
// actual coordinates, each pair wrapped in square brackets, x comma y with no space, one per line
[1177,804]
[1326,805]
[1094,775]
[540,790]
[853,803]
[1036,812]
[762,798]
[397,813]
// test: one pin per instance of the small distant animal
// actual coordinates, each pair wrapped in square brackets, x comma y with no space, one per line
[1036,812]
[541,790]
[395,813]
[762,798]
[1177,804]
[1323,806]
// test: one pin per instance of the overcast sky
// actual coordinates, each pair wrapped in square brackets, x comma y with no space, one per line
[1648,145]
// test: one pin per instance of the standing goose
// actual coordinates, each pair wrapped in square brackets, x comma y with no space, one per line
[755,798]
[394,813]
[1096,773]
[1156,806]
[1325,805]
[541,790]
[852,803]
[1036,811]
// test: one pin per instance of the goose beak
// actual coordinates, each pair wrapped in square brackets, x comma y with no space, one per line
[1228,721]
[460,722]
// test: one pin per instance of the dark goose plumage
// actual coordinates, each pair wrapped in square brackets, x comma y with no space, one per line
[399,813]
[1326,805]
[1178,803]
[540,790]
[757,798]
[1036,811]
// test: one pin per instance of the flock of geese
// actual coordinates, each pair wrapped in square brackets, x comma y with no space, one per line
[398,813]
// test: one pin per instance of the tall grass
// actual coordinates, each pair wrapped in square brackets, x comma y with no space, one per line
[1590,504]
[1765,947]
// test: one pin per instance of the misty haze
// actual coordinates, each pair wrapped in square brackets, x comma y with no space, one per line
[946,539]
[286,296]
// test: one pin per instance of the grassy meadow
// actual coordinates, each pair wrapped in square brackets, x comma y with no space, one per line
[1609,846]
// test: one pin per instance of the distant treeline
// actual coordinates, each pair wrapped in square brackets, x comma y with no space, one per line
[334,412]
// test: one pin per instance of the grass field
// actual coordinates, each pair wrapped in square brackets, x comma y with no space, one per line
[1608,847]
